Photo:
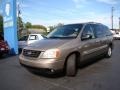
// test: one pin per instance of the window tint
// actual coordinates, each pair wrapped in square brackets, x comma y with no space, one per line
[24,38]
[66,31]
[98,30]
[107,31]
[88,31]
[101,30]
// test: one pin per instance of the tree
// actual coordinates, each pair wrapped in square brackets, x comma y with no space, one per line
[39,27]
[51,28]
[1,24]
[59,25]
[28,25]
[20,26]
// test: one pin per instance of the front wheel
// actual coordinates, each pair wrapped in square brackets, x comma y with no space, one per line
[71,65]
[109,52]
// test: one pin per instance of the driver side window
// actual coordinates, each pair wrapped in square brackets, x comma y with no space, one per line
[88,31]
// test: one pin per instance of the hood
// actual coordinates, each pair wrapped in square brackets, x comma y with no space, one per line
[47,44]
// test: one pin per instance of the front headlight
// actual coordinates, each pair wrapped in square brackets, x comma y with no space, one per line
[52,53]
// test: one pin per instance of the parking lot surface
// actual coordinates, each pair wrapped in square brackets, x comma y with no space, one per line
[101,75]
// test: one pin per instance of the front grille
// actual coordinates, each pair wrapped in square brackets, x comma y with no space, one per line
[31,53]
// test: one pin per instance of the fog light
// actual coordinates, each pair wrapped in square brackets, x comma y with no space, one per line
[52,70]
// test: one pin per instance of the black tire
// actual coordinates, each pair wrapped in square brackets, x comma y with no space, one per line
[71,65]
[109,52]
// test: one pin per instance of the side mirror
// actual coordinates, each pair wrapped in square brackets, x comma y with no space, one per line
[86,37]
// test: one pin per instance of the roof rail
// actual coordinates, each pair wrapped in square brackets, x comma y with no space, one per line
[94,23]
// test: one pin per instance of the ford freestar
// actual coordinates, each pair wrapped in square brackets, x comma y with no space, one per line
[67,46]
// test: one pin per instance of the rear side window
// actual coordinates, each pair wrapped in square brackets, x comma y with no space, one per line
[98,30]
[24,38]
[101,30]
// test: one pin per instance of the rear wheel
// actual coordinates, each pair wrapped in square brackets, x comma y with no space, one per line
[109,52]
[71,65]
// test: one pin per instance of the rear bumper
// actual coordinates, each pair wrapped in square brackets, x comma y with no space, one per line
[51,64]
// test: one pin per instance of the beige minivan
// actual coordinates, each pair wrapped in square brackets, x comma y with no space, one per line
[67,46]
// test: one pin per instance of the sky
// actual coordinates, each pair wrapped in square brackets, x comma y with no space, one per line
[52,12]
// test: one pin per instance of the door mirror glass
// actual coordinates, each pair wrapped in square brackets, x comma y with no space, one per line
[86,37]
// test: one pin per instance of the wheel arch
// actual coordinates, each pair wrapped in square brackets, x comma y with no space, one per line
[77,58]
[111,45]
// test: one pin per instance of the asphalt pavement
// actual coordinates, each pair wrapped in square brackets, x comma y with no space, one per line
[101,75]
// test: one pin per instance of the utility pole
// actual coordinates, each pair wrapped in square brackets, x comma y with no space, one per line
[112,9]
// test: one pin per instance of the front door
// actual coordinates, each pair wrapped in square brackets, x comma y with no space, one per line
[89,45]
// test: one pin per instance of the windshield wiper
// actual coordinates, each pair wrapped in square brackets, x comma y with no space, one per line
[56,37]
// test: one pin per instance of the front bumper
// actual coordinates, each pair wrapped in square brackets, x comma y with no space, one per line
[52,64]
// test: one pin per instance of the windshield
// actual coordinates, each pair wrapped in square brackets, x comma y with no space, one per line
[66,31]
